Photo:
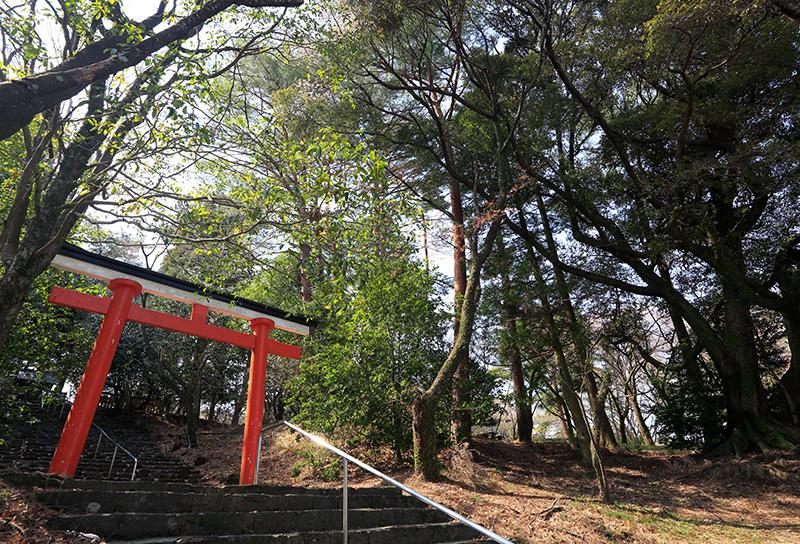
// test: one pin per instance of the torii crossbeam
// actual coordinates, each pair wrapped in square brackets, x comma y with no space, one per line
[126,282]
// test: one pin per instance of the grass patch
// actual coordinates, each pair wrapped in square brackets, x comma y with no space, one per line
[667,527]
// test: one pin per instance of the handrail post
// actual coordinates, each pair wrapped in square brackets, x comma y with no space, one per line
[135,464]
[344,501]
[258,459]
[97,449]
[113,458]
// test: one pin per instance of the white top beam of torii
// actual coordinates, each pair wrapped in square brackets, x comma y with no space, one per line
[74,259]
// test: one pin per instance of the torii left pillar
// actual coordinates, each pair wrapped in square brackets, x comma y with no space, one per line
[79,420]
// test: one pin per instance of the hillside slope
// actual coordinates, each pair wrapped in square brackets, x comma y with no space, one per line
[540,493]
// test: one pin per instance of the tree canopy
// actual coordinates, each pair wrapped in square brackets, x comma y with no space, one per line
[501,213]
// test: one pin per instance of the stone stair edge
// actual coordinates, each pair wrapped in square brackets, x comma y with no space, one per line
[55,483]
[317,537]
[291,538]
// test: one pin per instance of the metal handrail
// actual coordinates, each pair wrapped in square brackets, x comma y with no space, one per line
[117,445]
[346,458]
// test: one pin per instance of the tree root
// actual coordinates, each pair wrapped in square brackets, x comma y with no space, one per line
[758,435]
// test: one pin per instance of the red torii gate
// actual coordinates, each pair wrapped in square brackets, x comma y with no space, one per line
[126,282]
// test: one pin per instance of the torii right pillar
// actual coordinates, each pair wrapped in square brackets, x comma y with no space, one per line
[262,327]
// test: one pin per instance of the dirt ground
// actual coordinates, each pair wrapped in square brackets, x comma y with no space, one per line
[540,492]
[22,520]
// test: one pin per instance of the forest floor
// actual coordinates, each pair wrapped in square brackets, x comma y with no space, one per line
[22,520]
[541,493]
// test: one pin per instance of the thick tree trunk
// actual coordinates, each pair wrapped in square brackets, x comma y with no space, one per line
[746,396]
[789,385]
[790,381]
[749,422]
[735,357]
[424,435]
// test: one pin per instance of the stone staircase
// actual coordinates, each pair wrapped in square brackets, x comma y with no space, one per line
[162,512]
[165,505]
[30,447]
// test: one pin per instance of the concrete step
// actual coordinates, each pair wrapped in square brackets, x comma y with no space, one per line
[121,471]
[433,533]
[144,525]
[183,502]
[49,482]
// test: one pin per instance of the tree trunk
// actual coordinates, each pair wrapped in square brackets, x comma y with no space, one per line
[192,416]
[193,396]
[521,400]
[510,311]
[53,219]
[633,402]
[622,413]
[22,100]
[567,429]
[424,435]
[424,407]
[241,398]
[305,281]
[603,429]
[566,384]
[749,422]
[212,409]
[789,384]
[461,427]
[16,281]
[790,381]
[744,393]
[278,406]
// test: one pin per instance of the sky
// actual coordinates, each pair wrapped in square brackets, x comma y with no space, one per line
[139,9]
